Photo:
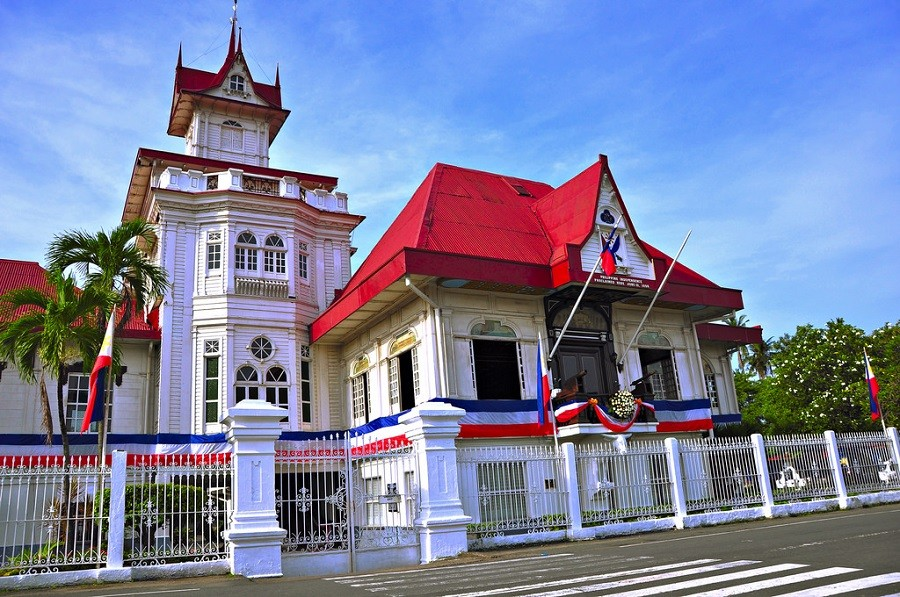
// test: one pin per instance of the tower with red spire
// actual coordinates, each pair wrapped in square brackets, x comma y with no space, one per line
[253,253]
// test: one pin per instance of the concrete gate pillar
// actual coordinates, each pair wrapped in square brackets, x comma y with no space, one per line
[254,538]
[433,428]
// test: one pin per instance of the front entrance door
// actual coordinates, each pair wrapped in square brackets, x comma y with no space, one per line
[591,357]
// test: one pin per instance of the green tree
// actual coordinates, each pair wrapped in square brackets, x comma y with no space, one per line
[884,354]
[113,263]
[57,326]
[819,377]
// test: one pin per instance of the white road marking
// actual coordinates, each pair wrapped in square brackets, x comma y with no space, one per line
[633,581]
[687,584]
[849,586]
[775,582]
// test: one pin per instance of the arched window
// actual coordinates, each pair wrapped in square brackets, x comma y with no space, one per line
[496,362]
[236,83]
[277,387]
[247,384]
[246,252]
[274,255]
[403,371]
[232,136]
[359,387]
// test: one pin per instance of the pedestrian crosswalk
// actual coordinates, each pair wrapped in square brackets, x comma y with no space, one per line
[559,575]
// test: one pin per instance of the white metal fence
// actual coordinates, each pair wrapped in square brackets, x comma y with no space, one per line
[42,530]
[512,489]
[798,467]
[867,462]
[719,474]
[615,485]
[175,510]
[332,489]
[524,489]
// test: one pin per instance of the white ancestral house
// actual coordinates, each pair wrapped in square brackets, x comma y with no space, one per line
[451,302]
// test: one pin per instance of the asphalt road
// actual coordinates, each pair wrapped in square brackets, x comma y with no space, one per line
[855,552]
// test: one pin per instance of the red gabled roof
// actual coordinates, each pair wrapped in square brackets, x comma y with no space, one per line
[481,226]
[192,86]
[192,79]
[20,274]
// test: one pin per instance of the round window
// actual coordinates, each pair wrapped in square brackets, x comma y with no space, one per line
[261,348]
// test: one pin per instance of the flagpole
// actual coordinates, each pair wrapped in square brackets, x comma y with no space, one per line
[655,296]
[583,290]
[545,401]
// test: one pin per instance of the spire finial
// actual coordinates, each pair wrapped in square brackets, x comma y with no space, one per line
[234,9]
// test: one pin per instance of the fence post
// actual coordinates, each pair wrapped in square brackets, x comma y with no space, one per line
[834,456]
[895,443]
[762,474]
[254,537]
[573,497]
[115,542]
[433,427]
[673,455]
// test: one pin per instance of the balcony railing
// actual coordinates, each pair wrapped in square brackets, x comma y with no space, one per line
[261,287]
[235,179]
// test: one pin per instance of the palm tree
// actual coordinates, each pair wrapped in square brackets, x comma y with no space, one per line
[760,356]
[743,353]
[57,326]
[116,265]
[113,262]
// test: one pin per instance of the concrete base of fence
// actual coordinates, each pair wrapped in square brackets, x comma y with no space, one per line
[618,529]
[318,564]
[873,499]
[712,518]
[516,540]
[113,575]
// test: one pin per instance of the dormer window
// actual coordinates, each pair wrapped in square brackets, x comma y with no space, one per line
[236,83]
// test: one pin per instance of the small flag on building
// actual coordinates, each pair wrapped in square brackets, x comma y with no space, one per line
[608,254]
[98,379]
[543,384]
[874,407]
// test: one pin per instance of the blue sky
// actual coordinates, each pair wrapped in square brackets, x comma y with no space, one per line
[768,128]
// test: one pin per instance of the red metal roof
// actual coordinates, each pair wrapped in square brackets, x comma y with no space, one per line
[729,334]
[474,225]
[16,274]
[19,274]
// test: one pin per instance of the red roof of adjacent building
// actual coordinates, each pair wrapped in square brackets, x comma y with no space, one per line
[20,274]
[481,226]
[17,274]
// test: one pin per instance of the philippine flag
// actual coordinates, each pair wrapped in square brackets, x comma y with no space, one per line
[873,389]
[608,254]
[97,380]
[543,384]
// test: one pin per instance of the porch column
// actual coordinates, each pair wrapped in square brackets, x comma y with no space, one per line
[254,539]
[433,428]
